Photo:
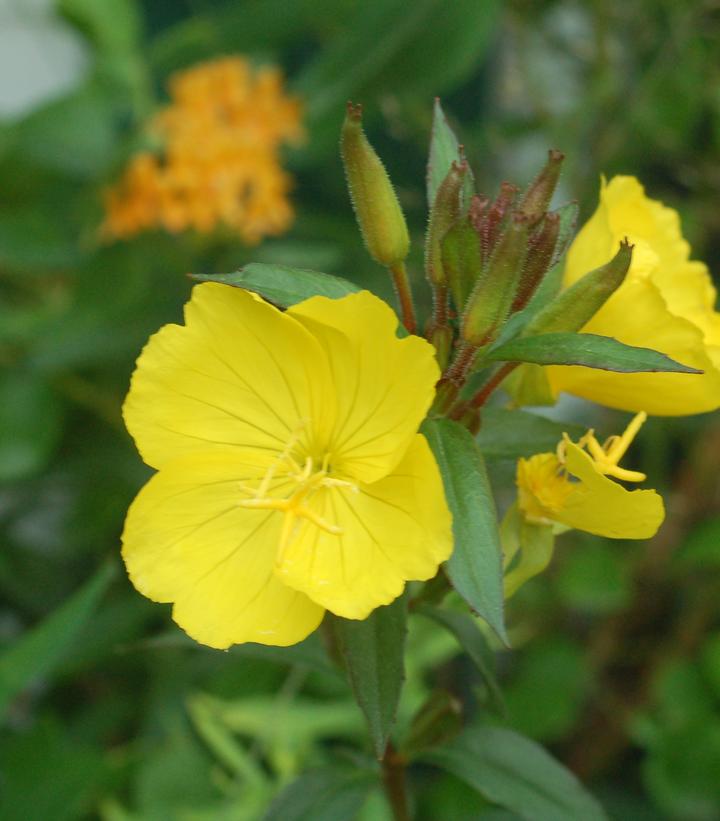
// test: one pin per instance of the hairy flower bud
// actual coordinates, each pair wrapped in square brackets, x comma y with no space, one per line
[575,306]
[536,199]
[444,213]
[494,292]
[376,206]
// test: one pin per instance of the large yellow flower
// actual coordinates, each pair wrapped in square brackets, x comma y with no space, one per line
[667,302]
[291,477]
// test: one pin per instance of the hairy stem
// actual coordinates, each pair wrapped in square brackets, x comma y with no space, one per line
[404,294]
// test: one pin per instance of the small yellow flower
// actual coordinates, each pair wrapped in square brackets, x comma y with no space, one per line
[573,488]
[291,477]
[667,302]
[221,135]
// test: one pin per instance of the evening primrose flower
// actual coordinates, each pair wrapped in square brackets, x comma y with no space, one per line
[667,302]
[291,476]
[219,164]
[574,488]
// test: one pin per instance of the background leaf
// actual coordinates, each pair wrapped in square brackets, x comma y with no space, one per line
[516,773]
[322,795]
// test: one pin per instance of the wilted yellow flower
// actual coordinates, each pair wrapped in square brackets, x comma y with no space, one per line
[573,488]
[667,302]
[291,475]
[221,136]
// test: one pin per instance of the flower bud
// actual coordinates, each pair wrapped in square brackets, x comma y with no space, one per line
[576,306]
[494,292]
[441,337]
[376,206]
[537,198]
[445,212]
[541,251]
[462,259]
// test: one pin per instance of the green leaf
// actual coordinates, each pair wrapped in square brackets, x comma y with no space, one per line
[512,434]
[475,567]
[590,350]
[518,774]
[281,284]
[30,424]
[466,631]
[444,150]
[113,25]
[39,651]
[373,651]
[332,794]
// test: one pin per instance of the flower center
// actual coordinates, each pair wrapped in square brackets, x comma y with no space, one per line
[607,456]
[308,478]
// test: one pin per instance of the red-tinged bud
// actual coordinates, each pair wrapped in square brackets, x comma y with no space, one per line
[495,219]
[478,206]
[445,212]
[376,206]
[574,307]
[536,199]
[494,293]
[541,250]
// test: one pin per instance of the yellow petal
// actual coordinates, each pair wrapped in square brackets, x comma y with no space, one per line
[637,315]
[666,303]
[394,530]
[601,506]
[384,385]
[239,372]
[187,541]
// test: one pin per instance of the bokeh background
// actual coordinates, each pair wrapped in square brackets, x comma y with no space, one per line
[108,710]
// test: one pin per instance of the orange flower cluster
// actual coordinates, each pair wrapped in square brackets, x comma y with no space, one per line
[221,135]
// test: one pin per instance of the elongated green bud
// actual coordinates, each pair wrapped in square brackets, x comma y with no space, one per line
[536,199]
[541,250]
[494,292]
[576,306]
[445,212]
[462,259]
[376,206]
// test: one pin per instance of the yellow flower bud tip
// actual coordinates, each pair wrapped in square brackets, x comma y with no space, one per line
[537,198]
[380,218]
[572,487]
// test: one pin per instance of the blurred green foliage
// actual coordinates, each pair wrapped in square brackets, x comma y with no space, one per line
[110,711]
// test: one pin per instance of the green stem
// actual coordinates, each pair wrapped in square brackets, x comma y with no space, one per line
[404,294]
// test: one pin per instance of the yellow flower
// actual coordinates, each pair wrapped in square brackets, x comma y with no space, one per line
[667,302]
[221,135]
[573,488]
[291,477]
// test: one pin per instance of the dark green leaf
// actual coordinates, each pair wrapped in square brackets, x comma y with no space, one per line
[590,350]
[444,150]
[475,567]
[323,795]
[466,631]
[281,284]
[511,434]
[518,774]
[42,649]
[373,651]
[30,424]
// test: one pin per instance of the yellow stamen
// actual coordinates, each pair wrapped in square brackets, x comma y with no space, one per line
[608,455]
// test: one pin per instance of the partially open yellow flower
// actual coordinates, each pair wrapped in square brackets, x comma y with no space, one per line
[291,475]
[667,302]
[572,488]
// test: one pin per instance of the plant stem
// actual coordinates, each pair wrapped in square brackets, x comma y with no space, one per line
[393,772]
[489,387]
[404,294]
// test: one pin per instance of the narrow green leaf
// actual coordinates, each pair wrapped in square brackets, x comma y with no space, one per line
[322,795]
[373,651]
[515,772]
[39,651]
[281,284]
[471,639]
[511,434]
[444,150]
[590,350]
[475,567]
